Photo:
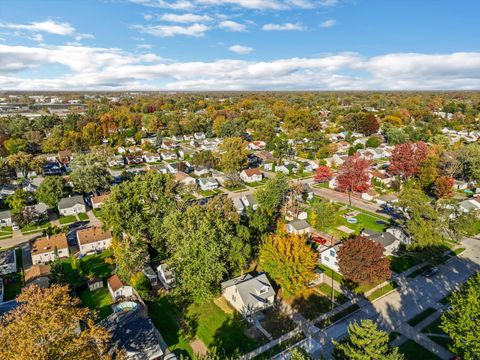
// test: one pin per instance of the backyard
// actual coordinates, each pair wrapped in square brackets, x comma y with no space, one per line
[99,300]
[13,283]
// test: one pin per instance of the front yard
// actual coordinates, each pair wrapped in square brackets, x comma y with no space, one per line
[310,303]
[5,232]
[414,351]
[65,220]
[29,229]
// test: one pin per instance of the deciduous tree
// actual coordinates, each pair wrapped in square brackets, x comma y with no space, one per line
[51,190]
[288,259]
[233,155]
[444,187]
[354,175]
[323,173]
[406,158]
[361,260]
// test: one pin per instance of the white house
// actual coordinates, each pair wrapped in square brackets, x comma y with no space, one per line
[469,205]
[251,175]
[328,257]
[201,171]
[72,205]
[249,201]
[166,276]
[93,240]
[248,294]
[207,184]
[199,136]
[151,157]
[49,248]
[256,145]
[5,218]
[168,155]
[184,179]
[117,289]
[8,262]
[97,201]
[298,227]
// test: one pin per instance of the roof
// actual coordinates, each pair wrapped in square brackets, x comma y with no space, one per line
[251,289]
[115,282]
[92,234]
[48,244]
[71,201]
[6,214]
[36,271]
[299,224]
[384,238]
[64,153]
[379,175]
[100,199]
[208,181]
[179,176]
[251,172]
[7,306]
[134,333]
[7,257]
[470,204]
[388,197]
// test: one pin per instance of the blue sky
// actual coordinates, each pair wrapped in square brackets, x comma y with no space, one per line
[239,44]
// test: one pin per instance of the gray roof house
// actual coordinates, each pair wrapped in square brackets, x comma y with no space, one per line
[248,294]
[5,218]
[298,227]
[387,240]
[8,262]
[72,205]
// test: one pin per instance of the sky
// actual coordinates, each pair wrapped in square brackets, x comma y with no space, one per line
[239,45]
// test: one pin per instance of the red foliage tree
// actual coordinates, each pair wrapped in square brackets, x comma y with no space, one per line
[444,187]
[369,124]
[354,175]
[323,173]
[406,158]
[361,260]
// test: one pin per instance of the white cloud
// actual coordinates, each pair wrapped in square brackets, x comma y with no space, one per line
[80,37]
[164,4]
[232,25]
[185,18]
[240,49]
[48,26]
[148,17]
[91,68]
[246,4]
[282,27]
[328,23]
[195,30]
[144,46]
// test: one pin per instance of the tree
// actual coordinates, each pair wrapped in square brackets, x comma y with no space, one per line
[365,342]
[131,256]
[51,190]
[90,173]
[369,124]
[233,155]
[428,171]
[299,354]
[272,195]
[469,161]
[323,173]
[205,158]
[207,244]
[17,200]
[406,158]
[288,260]
[361,260]
[354,175]
[373,141]
[25,163]
[322,215]
[461,321]
[45,325]
[6,171]
[444,187]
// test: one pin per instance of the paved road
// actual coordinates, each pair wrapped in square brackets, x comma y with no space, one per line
[412,297]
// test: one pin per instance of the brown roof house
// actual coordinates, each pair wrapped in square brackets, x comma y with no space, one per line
[97,201]
[117,289]
[38,275]
[49,248]
[93,240]
[251,175]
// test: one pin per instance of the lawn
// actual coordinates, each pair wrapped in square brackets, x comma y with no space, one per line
[99,300]
[257,183]
[28,229]
[414,351]
[382,291]
[83,217]
[5,232]
[329,272]
[310,303]
[64,220]
[236,188]
[13,283]
[327,290]
[434,328]
[403,263]
[207,193]
[417,319]
[97,213]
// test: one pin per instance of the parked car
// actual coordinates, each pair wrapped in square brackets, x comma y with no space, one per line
[430,272]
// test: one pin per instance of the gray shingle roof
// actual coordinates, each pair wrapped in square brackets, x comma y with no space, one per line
[69,202]
[250,289]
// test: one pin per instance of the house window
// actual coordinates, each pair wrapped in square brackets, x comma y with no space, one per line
[326,258]
[332,252]
[263,290]
[234,299]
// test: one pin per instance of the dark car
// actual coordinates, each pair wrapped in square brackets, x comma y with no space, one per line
[430,272]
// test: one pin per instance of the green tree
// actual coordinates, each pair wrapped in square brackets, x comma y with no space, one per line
[233,155]
[365,342]
[24,163]
[288,259]
[272,195]
[131,256]
[15,145]
[469,159]
[17,200]
[51,190]
[461,320]
[90,173]
[322,215]
[207,244]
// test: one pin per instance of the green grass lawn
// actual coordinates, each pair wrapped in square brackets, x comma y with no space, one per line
[13,288]
[64,220]
[382,291]
[329,272]
[207,193]
[236,188]
[28,229]
[414,351]
[327,290]
[402,263]
[257,183]
[417,319]
[97,213]
[99,300]
[338,316]
[311,304]
[82,217]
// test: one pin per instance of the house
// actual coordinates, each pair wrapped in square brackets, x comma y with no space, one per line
[117,289]
[177,138]
[298,227]
[49,248]
[461,185]
[286,168]
[65,156]
[5,218]
[389,242]
[369,195]
[308,166]
[166,276]
[256,145]
[185,152]
[160,168]
[251,175]
[151,157]
[386,199]
[172,168]
[248,294]
[265,156]
[336,160]
[184,179]
[167,145]
[249,201]
[8,262]
[151,275]
[97,201]
[381,177]
[38,275]
[134,159]
[133,332]
[328,257]
[168,155]
[116,161]
[6,189]
[93,239]
[199,136]
[207,184]
[469,205]
[52,168]
[237,202]
[72,205]
[201,171]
